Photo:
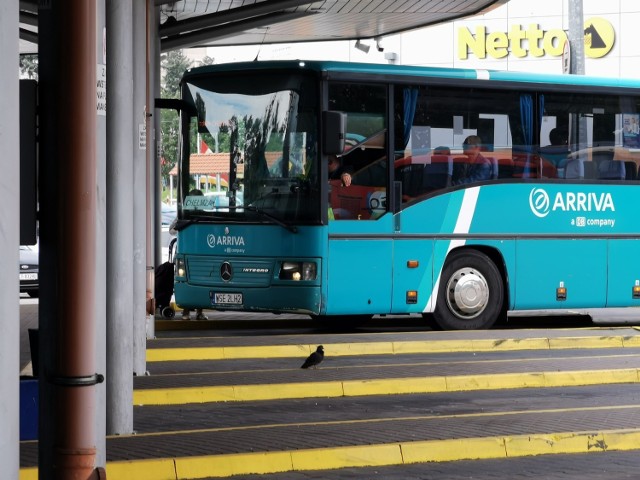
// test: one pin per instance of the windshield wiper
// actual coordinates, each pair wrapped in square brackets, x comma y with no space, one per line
[185,222]
[273,218]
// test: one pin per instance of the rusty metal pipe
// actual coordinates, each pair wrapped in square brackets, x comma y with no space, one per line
[75,404]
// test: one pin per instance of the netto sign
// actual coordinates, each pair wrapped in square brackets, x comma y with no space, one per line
[533,41]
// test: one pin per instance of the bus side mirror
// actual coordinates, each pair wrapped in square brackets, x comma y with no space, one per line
[334,126]
[175,104]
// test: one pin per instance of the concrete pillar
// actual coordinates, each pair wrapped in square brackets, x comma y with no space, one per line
[119,218]
[9,241]
[139,188]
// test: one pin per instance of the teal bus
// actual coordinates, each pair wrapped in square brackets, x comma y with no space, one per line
[468,193]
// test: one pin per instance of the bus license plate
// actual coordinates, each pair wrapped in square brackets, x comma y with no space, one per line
[227,298]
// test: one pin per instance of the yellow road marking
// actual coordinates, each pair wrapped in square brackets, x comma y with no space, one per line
[390,348]
[451,383]
[509,446]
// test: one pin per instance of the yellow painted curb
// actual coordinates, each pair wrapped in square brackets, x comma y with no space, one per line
[422,451]
[145,469]
[394,386]
[341,457]
[541,444]
[232,464]
[349,388]
[622,440]
[453,449]
[28,473]
[460,383]
[586,342]
[389,348]
[591,377]
[239,393]
[631,341]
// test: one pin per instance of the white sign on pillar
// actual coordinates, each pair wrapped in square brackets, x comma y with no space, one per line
[142,136]
[101,90]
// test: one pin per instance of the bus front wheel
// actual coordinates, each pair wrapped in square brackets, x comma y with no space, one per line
[471,292]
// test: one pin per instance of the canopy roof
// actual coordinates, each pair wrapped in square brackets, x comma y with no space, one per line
[193,23]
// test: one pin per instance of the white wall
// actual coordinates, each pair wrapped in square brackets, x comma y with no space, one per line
[438,45]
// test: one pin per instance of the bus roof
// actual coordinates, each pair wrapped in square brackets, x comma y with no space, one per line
[418,71]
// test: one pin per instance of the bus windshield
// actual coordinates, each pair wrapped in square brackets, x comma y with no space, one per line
[249,151]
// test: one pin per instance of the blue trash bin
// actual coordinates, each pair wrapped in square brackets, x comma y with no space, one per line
[28,408]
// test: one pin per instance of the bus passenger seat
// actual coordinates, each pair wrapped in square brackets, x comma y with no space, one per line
[411,176]
[437,174]
[574,169]
[611,170]
[590,169]
[631,170]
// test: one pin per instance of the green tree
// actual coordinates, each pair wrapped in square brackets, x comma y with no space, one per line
[207,60]
[173,65]
[29,66]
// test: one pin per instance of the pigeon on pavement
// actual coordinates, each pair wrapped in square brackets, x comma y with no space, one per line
[315,358]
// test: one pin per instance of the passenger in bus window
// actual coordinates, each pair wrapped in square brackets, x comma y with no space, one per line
[476,168]
[338,172]
[557,153]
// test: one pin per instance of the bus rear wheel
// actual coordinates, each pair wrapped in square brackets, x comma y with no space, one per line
[471,292]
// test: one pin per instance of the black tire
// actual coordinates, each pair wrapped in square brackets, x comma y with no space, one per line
[168,312]
[471,293]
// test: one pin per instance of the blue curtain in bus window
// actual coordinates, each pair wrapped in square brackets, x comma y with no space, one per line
[526,124]
[410,101]
[526,118]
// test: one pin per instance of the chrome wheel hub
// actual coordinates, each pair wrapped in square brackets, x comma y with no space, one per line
[467,293]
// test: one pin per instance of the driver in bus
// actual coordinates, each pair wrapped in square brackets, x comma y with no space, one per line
[338,172]
[476,168]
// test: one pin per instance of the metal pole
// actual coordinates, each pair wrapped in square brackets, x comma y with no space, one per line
[139,188]
[70,245]
[577,67]
[576,36]
[152,55]
[119,218]
[9,240]
[101,247]
[157,170]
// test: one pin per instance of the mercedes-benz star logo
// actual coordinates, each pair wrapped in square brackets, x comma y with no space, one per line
[226,271]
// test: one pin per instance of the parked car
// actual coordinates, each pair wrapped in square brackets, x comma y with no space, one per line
[29,270]
[168,213]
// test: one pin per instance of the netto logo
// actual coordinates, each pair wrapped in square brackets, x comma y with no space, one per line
[539,202]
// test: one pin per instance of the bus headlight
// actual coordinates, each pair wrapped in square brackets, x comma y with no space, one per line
[181,271]
[298,271]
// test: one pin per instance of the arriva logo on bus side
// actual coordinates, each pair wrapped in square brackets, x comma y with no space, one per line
[226,240]
[541,205]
